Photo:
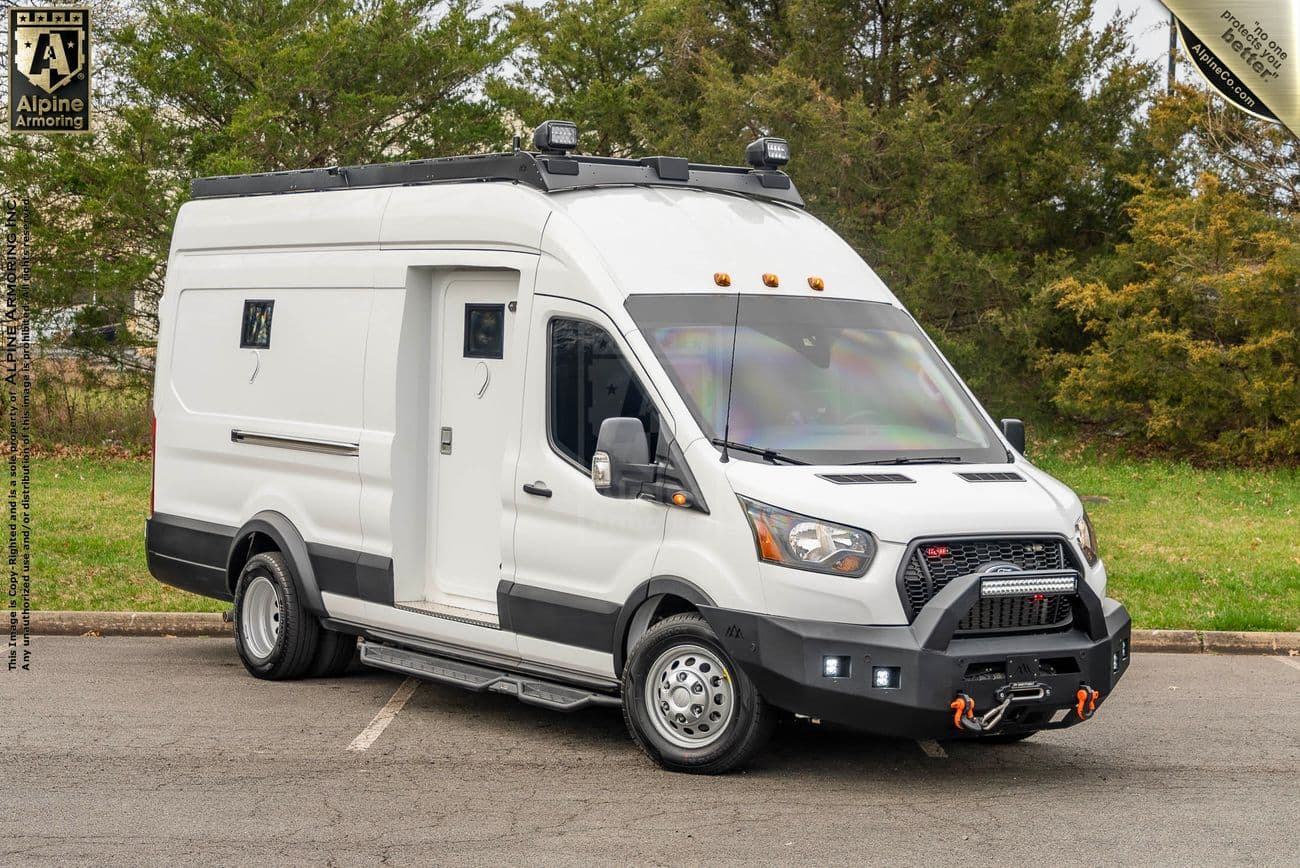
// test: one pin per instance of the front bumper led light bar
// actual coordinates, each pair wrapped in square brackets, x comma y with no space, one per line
[1053,585]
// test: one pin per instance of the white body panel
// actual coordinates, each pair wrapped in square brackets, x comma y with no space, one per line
[368,285]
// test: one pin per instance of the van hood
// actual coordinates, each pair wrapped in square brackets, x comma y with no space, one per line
[934,499]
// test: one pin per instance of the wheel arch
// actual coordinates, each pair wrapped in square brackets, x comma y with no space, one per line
[652,601]
[272,531]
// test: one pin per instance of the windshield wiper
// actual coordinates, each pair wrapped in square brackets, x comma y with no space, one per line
[767,454]
[940,459]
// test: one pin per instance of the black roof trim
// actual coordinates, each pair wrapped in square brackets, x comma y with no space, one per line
[550,173]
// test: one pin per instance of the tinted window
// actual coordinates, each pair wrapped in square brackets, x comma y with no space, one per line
[590,382]
[824,380]
[485,330]
[255,329]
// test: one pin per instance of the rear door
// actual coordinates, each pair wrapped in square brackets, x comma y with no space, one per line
[477,405]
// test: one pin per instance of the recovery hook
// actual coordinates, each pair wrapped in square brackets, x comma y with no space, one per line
[964,714]
[1086,706]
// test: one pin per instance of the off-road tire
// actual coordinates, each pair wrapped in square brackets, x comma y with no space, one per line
[744,735]
[298,634]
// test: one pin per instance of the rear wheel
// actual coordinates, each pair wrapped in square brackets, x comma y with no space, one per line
[687,704]
[275,637]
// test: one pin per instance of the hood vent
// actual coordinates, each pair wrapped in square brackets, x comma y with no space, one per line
[995,476]
[865,478]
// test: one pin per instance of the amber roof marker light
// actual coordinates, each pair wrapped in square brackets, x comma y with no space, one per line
[770,279]
[816,283]
[721,278]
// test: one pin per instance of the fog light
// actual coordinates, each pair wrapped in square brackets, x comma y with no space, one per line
[1114,662]
[835,667]
[886,676]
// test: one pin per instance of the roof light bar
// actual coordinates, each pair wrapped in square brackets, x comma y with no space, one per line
[1008,587]
[556,136]
[768,153]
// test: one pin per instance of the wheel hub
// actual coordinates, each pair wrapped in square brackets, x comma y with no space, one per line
[259,617]
[690,696]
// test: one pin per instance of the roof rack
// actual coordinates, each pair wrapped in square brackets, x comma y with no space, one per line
[550,173]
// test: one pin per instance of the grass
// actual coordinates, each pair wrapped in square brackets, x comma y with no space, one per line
[1191,548]
[1185,547]
[88,539]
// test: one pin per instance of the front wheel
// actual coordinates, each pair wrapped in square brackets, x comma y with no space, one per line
[687,704]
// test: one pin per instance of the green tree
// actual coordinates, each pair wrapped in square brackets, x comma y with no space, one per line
[581,60]
[1194,328]
[201,87]
[972,152]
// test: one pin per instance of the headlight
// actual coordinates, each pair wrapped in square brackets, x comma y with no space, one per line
[804,543]
[1087,538]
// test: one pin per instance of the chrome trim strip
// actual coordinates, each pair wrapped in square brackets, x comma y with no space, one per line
[301,444]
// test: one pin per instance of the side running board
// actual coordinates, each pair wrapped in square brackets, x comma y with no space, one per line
[480,678]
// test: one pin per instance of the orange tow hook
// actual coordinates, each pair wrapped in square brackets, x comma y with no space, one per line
[963,704]
[1087,702]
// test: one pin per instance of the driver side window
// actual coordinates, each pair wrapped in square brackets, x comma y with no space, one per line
[589,381]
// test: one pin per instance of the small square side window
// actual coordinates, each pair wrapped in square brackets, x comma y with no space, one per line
[485,331]
[255,331]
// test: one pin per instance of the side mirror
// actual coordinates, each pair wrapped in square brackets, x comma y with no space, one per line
[621,462]
[1014,431]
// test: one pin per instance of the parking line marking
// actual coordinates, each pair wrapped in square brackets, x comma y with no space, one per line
[1289,661]
[932,748]
[385,716]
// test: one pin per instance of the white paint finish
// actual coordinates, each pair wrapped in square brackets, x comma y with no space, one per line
[386,715]
[674,240]
[577,540]
[308,384]
[500,216]
[339,218]
[400,400]
[478,399]
[309,380]
[939,502]
[574,659]
[715,551]
[872,599]
[420,626]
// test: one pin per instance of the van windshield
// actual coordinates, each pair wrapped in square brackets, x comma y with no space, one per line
[816,380]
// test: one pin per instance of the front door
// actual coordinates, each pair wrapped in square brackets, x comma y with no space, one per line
[477,401]
[577,554]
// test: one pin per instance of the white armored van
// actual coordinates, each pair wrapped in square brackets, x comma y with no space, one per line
[599,432]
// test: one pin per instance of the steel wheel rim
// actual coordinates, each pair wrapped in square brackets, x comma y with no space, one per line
[690,696]
[259,617]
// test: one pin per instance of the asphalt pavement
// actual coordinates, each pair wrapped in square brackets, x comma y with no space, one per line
[158,751]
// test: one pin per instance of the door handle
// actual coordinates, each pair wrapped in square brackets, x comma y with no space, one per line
[538,488]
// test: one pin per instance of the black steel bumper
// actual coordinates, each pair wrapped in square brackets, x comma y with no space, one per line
[784,657]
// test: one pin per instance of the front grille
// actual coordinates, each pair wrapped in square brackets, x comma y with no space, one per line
[935,563]
[1015,613]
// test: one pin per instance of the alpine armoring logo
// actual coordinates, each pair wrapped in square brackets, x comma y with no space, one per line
[49,70]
